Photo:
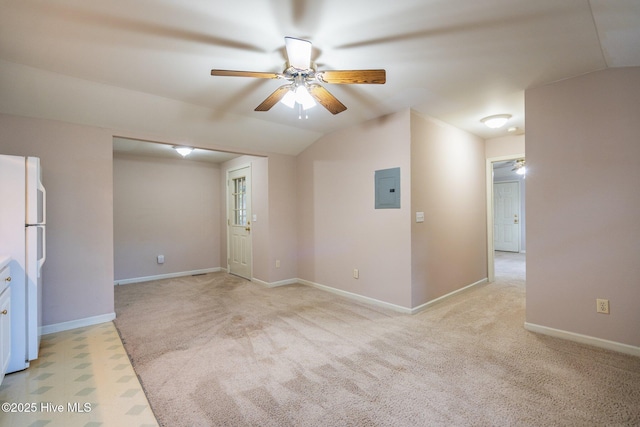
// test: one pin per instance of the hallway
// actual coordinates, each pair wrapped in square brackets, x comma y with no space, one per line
[510,266]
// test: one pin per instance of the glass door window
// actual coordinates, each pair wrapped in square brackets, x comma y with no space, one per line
[240,201]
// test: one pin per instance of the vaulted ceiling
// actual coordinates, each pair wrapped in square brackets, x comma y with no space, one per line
[145,65]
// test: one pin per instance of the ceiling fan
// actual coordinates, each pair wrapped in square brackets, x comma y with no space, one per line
[519,166]
[303,80]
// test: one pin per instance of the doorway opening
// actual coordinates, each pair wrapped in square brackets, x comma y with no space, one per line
[512,220]
[168,220]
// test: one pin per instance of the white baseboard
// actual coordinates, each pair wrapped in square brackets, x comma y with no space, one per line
[365,299]
[275,284]
[166,276]
[74,324]
[450,294]
[583,339]
[356,297]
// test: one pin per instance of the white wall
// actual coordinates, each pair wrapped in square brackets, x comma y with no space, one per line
[583,204]
[165,206]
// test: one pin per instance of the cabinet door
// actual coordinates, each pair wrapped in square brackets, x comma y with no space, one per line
[5,331]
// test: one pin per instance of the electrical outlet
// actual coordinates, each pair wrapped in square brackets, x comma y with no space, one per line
[602,306]
[160,259]
[356,273]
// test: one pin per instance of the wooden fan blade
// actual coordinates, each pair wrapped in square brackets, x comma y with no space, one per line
[327,100]
[256,74]
[353,76]
[274,98]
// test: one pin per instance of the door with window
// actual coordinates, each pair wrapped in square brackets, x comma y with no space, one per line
[238,221]
[506,222]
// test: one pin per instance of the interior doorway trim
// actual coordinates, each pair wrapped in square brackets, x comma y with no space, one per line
[491,274]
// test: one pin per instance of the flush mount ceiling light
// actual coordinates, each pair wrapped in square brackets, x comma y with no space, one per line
[184,151]
[496,121]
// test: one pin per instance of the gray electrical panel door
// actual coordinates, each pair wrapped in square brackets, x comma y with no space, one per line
[387,184]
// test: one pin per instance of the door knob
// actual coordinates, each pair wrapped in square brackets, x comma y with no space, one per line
[8,279]
[247,228]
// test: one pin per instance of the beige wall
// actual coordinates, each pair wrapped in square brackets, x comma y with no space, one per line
[583,204]
[283,218]
[77,174]
[504,146]
[338,228]
[165,206]
[260,207]
[448,249]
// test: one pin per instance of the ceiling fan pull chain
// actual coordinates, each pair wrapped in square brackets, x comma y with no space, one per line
[301,110]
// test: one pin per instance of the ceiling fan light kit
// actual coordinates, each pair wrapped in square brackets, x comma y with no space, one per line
[519,167]
[303,87]
[298,94]
[496,121]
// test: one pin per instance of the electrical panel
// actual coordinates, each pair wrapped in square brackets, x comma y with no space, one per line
[387,187]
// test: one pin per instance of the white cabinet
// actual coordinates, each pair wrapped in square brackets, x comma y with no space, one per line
[5,320]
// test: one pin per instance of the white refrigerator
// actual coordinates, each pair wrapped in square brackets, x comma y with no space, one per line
[22,237]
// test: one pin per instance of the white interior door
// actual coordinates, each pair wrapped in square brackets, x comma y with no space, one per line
[238,220]
[506,222]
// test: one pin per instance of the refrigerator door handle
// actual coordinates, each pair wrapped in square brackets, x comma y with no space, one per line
[44,250]
[44,202]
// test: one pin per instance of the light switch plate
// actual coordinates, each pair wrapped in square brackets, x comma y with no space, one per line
[419,216]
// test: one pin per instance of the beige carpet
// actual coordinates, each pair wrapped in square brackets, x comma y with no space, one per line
[218,350]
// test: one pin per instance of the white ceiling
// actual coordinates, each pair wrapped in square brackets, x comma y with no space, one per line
[145,64]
